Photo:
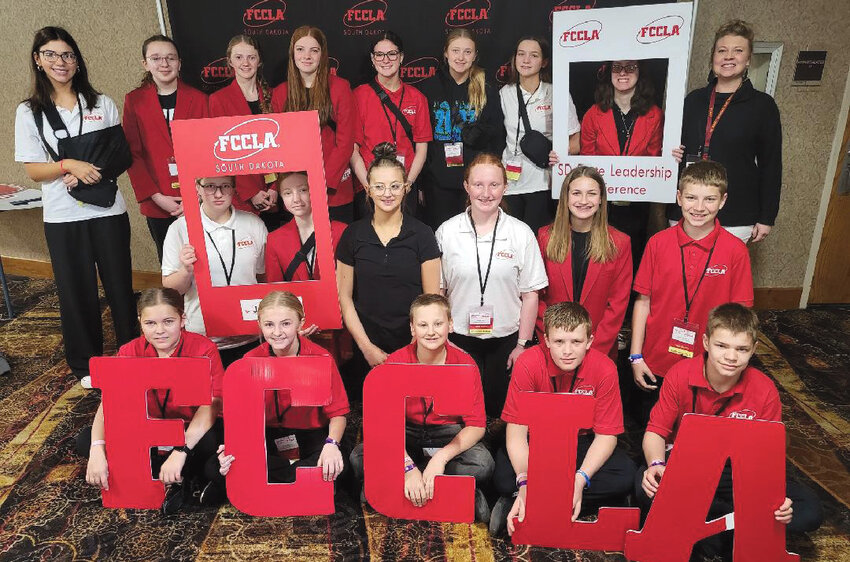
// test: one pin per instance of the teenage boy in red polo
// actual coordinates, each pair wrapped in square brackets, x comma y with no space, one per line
[564,362]
[686,270]
[436,444]
[720,382]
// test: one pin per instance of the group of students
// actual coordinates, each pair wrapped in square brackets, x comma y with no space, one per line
[454,147]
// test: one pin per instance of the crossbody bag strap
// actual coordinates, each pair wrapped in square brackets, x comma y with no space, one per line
[300,257]
[400,117]
[523,111]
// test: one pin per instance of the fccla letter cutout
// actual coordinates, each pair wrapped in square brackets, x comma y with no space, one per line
[385,391]
[246,381]
[677,517]
[125,382]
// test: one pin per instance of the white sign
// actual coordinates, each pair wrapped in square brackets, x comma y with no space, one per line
[659,31]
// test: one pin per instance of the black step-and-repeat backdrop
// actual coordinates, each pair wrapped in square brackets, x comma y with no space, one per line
[202,29]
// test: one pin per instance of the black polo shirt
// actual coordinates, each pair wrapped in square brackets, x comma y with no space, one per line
[386,278]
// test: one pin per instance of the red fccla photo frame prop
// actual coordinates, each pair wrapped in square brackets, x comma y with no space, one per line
[255,144]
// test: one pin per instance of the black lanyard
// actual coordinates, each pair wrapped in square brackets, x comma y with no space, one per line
[228,275]
[277,411]
[723,405]
[690,300]
[627,130]
[572,382]
[164,403]
[393,127]
[427,409]
[482,283]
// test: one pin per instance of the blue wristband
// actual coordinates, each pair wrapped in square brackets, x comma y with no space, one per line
[586,478]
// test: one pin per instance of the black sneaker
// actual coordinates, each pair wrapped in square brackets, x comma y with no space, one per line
[482,508]
[173,499]
[212,495]
[499,516]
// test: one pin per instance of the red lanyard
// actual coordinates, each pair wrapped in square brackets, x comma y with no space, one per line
[710,123]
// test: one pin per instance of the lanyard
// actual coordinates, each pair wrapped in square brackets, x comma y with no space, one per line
[690,301]
[427,409]
[572,383]
[710,123]
[519,115]
[393,127]
[627,130]
[482,283]
[164,403]
[228,275]
[723,405]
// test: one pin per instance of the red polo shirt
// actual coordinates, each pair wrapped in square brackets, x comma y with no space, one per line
[418,410]
[191,344]
[374,126]
[596,376]
[279,413]
[685,391]
[728,278]
[282,245]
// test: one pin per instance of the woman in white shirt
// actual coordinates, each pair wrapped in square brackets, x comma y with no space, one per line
[84,240]
[529,197]
[491,272]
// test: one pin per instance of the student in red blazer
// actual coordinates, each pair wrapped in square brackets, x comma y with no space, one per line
[587,260]
[310,86]
[247,94]
[625,121]
[148,112]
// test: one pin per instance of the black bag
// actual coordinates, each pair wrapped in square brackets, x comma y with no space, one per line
[107,149]
[388,103]
[533,144]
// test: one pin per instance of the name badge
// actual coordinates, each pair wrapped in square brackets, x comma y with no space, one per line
[683,338]
[513,168]
[175,185]
[270,178]
[481,320]
[454,154]
[172,167]
[287,447]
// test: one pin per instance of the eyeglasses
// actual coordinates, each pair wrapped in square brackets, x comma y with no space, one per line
[53,56]
[225,189]
[389,55]
[627,68]
[168,60]
[394,188]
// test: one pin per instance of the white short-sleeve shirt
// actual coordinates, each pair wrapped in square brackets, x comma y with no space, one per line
[517,268]
[59,206]
[250,243]
[539,107]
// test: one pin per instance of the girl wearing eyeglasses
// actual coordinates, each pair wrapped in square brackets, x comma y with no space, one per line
[247,94]
[84,240]
[235,243]
[379,122]
[383,262]
[148,112]
[310,86]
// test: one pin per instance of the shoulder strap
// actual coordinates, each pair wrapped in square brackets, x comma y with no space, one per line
[38,116]
[385,99]
[300,257]
[523,112]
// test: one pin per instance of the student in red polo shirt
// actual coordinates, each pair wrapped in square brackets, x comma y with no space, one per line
[436,444]
[720,382]
[564,362]
[307,435]
[163,335]
[686,270]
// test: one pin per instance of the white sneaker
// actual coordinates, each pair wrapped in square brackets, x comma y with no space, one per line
[85,382]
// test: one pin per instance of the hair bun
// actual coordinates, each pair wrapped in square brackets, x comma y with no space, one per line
[384,150]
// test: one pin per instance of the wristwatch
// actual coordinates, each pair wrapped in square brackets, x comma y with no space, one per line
[184,449]
[522,343]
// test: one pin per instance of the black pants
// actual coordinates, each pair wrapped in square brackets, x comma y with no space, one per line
[158,229]
[442,204]
[534,209]
[79,251]
[342,213]
[195,462]
[355,370]
[609,486]
[631,219]
[491,356]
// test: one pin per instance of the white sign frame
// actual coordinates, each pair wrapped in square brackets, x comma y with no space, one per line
[660,31]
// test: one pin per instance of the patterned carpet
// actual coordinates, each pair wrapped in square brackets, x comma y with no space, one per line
[47,512]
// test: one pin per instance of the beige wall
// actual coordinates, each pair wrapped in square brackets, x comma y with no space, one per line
[110,34]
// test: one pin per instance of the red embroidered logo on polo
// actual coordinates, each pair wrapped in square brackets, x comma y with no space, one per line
[93,117]
[247,243]
[505,254]
[745,414]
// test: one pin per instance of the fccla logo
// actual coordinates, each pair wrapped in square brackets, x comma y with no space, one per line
[660,29]
[419,69]
[365,13]
[465,13]
[715,270]
[581,33]
[216,72]
[567,5]
[247,139]
[264,12]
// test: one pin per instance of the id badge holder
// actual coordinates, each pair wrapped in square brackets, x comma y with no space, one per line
[481,320]
[270,178]
[513,168]
[691,159]
[683,338]
[454,154]
[287,447]
[172,171]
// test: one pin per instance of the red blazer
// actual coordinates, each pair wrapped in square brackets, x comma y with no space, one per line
[605,293]
[226,102]
[338,145]
[150,142]
[284,243]
[599,133]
